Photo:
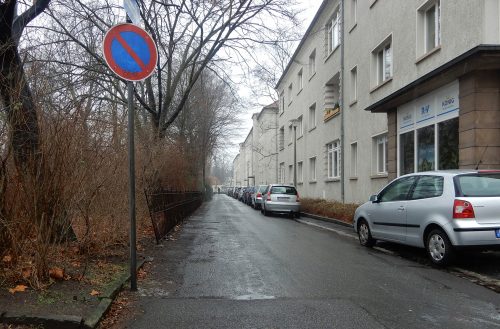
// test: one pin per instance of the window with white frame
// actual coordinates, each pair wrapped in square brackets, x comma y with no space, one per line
[428,27]
[290,173]
[354,84]
[380,154]
[354,159]
[300,127]
[312,116]
[300,81]
[333,159]
[312,169]
[312,63]
[290,134]
[300,172]
[354,12]
[282,102]
[290,93]
[382,62]
[282,138]
[282,173]
[333,32]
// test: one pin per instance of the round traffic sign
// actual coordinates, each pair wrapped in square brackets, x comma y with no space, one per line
[130,52]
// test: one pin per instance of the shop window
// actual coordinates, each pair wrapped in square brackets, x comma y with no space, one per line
[448,144]
[407,153]
[425,149]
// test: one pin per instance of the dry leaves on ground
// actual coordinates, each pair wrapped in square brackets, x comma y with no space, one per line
[18,288]
[94,293]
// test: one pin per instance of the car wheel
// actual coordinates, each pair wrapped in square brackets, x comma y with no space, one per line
[265,212]
[439,247]
[297,214]
[365,235]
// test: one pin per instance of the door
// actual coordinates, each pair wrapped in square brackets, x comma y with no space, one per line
[388,214]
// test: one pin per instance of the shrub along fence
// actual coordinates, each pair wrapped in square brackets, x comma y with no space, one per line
[168,208]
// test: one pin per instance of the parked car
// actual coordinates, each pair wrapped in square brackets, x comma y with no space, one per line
[247,197]
[240,193]
[257,196]
[279,198]
[440,211]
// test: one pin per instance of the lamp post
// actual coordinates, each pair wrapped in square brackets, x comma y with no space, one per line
[294,123]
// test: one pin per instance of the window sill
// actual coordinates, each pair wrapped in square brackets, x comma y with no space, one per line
[300,183]
[379,176]
[298,93]
[373,3]
[354,102]
[427,55]
[290,144]
[300,137]
[332,52]
[290,103]
[380,85]
[282,113]
[332,180]
[353,178]
[282,149]
[312,182]
[313,128]
[312,76]
[353,27]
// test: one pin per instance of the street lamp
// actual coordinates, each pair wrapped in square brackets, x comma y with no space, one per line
[295,123]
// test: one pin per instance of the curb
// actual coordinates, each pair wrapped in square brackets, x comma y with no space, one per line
[326,219]
[72,321]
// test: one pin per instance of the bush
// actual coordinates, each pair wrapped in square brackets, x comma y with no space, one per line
[330,209]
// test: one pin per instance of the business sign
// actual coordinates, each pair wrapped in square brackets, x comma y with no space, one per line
[130,52]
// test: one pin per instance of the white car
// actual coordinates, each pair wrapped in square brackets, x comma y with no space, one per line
[440,211]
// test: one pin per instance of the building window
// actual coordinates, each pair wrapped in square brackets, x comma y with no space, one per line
[312,116]
[333,32]
[290,91]
[354,12]
[282,138]
[282,103]
[407,153]
[312,169]
[354,84]
[425,149]
[448,144]
[300,82]
[300,173]
[333,159]
[354,159]
[300,127]
[290,174]
[382,62]
[429,26]
[282,173]
[312,63]
[380,158]
[290,133]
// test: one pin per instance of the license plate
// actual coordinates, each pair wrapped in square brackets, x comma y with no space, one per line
[283,199]
[497,233]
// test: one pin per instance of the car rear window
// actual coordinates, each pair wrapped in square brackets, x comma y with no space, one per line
[478,185]
[283,190]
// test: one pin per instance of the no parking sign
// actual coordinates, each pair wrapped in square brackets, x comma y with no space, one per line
[130,52]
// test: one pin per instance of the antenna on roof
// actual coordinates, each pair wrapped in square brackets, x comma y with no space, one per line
[481,158]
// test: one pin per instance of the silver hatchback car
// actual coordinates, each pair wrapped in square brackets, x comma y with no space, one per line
[440,211]
[279,198]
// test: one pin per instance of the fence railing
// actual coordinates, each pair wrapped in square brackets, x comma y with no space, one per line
[168,208]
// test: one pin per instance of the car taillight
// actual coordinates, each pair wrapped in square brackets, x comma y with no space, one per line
[259,195]
[268,196]
[298,199]
[463,209]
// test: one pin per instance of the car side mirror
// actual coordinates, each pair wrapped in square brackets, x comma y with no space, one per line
[374,198]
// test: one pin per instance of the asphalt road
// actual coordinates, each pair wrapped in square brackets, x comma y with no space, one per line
[231,267]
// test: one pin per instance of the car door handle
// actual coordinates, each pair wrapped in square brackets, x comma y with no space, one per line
[401,208]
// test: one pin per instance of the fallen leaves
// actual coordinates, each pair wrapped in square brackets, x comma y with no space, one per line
[7,259]
[56,273]
[18,288]
[94,293]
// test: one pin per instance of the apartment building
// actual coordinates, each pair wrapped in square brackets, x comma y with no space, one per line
[380,88]
[256,162]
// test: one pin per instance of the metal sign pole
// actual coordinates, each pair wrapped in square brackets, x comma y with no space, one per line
[131,164]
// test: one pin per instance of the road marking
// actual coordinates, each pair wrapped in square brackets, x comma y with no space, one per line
[329,229]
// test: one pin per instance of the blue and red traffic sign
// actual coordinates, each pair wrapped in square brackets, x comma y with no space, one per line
[130,52]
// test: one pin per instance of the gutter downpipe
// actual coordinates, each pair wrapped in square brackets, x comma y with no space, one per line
[342,108]
[276,144]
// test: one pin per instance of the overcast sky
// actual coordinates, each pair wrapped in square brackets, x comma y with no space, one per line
[310,8]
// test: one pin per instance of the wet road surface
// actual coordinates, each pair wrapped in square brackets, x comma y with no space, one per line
[231,267]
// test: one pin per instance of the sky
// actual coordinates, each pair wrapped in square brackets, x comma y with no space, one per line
[310,8]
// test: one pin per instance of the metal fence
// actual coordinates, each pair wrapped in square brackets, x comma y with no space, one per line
[168,208]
